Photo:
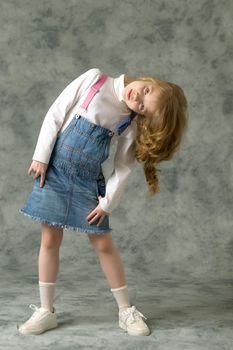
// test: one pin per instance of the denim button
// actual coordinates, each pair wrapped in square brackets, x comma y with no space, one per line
[110,133]
[77,116]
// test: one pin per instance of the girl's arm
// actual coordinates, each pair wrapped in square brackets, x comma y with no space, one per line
[124,160]
[56,114]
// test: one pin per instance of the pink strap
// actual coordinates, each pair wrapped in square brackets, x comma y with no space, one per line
[93,90]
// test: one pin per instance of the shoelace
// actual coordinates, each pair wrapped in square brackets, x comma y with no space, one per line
[35,308]
[134,314]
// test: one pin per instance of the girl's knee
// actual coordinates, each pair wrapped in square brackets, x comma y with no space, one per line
[51,236]
[102,243]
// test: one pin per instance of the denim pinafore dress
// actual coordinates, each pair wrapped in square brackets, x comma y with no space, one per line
[74,178]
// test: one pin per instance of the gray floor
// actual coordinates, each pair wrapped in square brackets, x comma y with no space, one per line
[182,315]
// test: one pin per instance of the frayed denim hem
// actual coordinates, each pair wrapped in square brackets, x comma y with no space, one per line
[66,227]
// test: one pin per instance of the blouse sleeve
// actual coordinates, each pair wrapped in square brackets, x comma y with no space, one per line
[124,161]
[56,115]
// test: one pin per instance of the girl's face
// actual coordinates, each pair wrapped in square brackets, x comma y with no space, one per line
[141,97]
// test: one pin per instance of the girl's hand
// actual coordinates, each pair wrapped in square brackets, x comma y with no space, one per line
[95,214]
[39,169]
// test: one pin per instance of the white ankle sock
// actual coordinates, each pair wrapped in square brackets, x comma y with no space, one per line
[47,294]
[122,297]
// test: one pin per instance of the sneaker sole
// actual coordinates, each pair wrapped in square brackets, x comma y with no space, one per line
[122,325]
[28,332]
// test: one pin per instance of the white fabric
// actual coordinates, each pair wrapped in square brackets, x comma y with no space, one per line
[47,290]
[106,109]
[121,296]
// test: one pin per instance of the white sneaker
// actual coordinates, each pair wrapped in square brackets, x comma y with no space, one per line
[130,319]
[40,321]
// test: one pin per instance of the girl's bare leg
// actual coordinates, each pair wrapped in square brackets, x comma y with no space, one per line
[48,264]
[110,259]
[48,260]
[112,267]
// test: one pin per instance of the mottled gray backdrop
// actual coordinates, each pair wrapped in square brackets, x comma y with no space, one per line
[184,233]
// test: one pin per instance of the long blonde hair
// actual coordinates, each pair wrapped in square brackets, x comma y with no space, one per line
[159,136]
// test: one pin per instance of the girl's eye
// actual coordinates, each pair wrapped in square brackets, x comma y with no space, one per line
[147,90]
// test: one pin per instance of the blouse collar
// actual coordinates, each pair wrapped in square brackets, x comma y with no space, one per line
[118,84]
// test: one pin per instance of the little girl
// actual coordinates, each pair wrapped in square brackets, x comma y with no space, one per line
[147,118]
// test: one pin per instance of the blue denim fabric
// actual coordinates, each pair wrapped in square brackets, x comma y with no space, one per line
[74,179]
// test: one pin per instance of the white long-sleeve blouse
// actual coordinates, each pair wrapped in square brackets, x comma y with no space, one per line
[106,109]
